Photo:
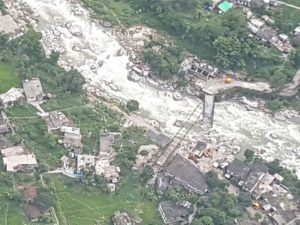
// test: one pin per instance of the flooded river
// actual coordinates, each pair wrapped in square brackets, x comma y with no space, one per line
[93,51]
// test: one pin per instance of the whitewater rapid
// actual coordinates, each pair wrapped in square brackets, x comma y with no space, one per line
[249,129]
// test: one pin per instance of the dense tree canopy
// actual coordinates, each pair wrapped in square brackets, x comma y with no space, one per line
[29,60]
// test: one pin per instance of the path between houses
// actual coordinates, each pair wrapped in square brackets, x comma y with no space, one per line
[62,109]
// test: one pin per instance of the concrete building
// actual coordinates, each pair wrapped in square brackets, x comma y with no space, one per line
[160,139]
[12,95]
[56,120]
[25,163]
[175,213]
[186,174]
[122,218]
[4,129]
[11,151]
[238,170]
[265,33]
[18,159]
[72,137]
[8,25]
[107,141]
[33,90]
[256,174]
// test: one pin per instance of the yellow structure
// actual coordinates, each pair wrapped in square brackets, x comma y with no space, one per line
[256,205]
[228,80]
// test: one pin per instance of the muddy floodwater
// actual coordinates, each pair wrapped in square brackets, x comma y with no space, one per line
[87,47]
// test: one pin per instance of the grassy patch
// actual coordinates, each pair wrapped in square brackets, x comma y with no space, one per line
[91,120]
[7,78]
[34,133]
[63,101]
[79,206]
[22,109]
[114,12]
[10,210]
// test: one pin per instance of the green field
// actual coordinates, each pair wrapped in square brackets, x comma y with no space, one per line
[11,211]
[78,206]
[7,78]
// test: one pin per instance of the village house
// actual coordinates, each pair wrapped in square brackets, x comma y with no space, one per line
[33,90]
[266,33]
[238,171]
[198,149]
[269,35]
[104,168]
[255,3]
[72,138]
[268,183]
[257,172]
[194,68]
[122,218]
[17,159]
[296,36]
[282,43]
[55,120]
[10,97]
[255,24]
[183,172]
[4,129]
[161,140]
[107,141]
[175,213]
[9,26]
[84,162]
[146,155]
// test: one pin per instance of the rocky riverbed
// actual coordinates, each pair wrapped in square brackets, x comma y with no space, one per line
[85,44]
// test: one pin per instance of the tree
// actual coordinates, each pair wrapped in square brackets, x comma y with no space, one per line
[205,220]
[213,181]
[146,174]
[132,105]
[101,183]
[53,58]
[230,52]
[244,199]
[274,105]
[45,199]
[274,166]
[218,216]
[279,78]
[2,6]
[249,154]
[43,167]
[297,58]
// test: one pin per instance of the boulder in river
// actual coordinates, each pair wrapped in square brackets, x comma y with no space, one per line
[279,116]
[100,63]
[119,52]
[75,30]
[56,32]
[177,96]
[76,48]
[106,24]
[68,24]
[132,76]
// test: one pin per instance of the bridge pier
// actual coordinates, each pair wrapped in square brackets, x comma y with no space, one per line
[208,110]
